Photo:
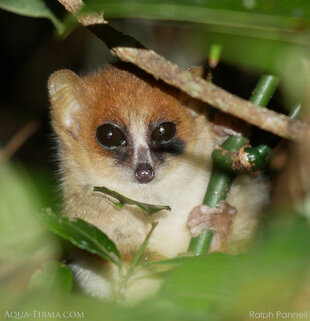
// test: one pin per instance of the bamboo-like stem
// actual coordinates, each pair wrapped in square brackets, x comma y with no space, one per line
[248,159]
[221,179]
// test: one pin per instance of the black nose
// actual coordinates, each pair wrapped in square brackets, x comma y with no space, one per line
[144,173]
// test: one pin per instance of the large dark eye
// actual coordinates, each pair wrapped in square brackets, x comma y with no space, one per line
[164,132]
[110,136]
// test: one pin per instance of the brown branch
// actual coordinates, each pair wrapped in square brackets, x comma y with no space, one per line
[129,50]
[18,140]
[73,6]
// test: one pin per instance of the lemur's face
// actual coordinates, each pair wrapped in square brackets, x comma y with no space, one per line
[140,147]
[120,123]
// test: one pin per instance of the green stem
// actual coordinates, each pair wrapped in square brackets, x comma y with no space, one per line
[214,55]
[256,156]
[124,277]
[221,180]
[138,255]
[264,90]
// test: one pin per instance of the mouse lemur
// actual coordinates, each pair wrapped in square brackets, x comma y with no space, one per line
[118,127]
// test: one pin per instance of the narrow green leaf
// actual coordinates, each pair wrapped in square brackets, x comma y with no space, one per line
[52,276]
[123,200]
[82,235]
[32,8]
[281,16]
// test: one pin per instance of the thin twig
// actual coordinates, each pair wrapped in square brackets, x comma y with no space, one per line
[129,50]
[18,140]
[140,252]
[134,267]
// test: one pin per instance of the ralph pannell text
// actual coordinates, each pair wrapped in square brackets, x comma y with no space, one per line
[278,315]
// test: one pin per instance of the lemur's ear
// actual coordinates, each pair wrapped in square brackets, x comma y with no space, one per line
[66,95]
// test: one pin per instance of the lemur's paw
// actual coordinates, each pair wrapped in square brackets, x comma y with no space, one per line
[218,219]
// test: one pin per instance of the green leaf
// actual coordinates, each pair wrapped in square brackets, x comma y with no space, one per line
[123,200]
[32,8]
[82,235]
[281,15]
[267,278]
[22,238]
[52,276]
[199,282]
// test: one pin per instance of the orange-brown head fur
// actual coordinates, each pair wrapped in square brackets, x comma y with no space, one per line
[135,105]
[134,102]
